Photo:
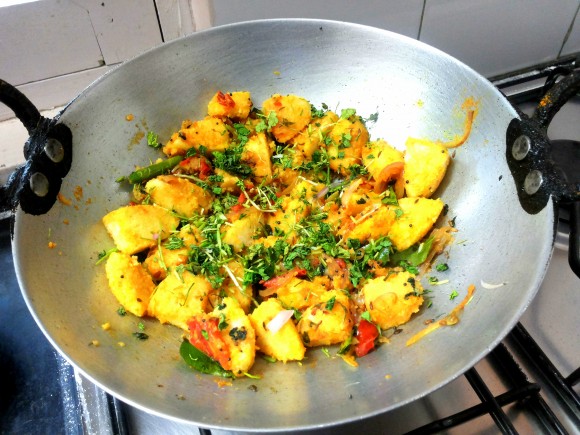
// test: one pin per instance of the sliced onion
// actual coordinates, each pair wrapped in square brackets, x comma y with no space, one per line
[492,286]
[279,320]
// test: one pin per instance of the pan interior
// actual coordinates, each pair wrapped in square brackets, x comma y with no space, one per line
[416,91]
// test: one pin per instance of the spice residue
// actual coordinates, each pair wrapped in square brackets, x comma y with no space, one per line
[451,319]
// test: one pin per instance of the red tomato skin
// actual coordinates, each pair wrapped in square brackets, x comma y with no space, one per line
[366,335]
[213,346]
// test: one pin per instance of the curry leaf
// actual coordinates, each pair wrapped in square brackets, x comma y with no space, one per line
[199,361]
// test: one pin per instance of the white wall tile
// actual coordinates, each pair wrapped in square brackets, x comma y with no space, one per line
[572,44]
[401,16]
[498,36]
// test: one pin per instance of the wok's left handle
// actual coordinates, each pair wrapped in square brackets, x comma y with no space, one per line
[48,152]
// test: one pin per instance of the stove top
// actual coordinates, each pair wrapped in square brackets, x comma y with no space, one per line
[518,388]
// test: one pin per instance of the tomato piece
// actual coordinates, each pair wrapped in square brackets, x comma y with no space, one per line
[225,100]
[366,335]
[204,169]
[205,335]
[280,280]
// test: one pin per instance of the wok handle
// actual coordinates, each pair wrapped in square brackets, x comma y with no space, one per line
[556,97]
[574,242]
[48,152]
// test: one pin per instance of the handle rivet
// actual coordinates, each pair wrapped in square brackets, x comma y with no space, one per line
[533,182]
[521,147]
[39,184]
[54,150]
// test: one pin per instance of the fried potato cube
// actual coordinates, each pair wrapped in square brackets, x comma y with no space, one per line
[299,294]
[425,166]
[178,194]
[371,224]
[234,105]
[174,252]
[348,136]
[284,344]
[310,139]
[129,282]
[284,220]
[417,218]
[211,132]
[378,155]
[327,322]
[236,289]
[241,232]
[238,334]
[293,114]
[229,182]
[391,300]
[258,155]
[135,228]
[179,297]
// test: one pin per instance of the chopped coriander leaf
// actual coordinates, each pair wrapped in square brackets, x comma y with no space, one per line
[372,118]
[347,113]
[367,316]
[121,311]
[104,254]
[442,267]
[330,303]
[390,197]
[453,295]
[174,242]
[222,323]
[267,123]
[230,160]
[140,335]
[153,140]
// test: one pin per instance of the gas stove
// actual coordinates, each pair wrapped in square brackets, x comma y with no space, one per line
[528,384]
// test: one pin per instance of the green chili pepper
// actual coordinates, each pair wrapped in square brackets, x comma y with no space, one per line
[154,170]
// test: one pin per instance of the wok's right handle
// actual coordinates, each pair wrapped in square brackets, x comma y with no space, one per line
[574,242]
[48,152]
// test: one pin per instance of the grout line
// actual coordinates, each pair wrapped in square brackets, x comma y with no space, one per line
[421,19]
[568,32]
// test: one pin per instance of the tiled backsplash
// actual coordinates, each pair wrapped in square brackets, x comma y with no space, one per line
[492,36]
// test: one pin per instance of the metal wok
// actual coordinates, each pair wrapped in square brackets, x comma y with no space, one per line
[505,216]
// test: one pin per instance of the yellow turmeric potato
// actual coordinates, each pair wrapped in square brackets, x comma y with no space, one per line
[173,252]
[129,282]
[135,228]
[348,138]
[299,293]
[417,218]
[238,335]
[425,166]
[257,154]
[211,132]
[284,344]
[370,224]
[284,221]
[179,297]
[377,155]
[178,194]
[234,105]
[236,289]
[242,230]
[293,114]
[310,139]
[392,299]
[327,322]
